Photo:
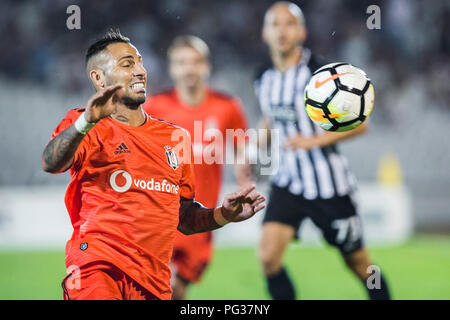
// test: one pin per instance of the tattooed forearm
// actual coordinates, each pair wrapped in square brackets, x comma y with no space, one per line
[194,218]
[59,153]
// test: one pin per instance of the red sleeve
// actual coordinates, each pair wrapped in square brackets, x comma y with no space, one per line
[69,119]
[238,120]
[187,183]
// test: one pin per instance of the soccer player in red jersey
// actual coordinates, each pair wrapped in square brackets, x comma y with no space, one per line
[132,184]
[201,110]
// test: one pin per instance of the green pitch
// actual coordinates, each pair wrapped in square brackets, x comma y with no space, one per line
[419,269]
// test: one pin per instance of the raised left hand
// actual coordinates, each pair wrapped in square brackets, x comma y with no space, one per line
[242,205]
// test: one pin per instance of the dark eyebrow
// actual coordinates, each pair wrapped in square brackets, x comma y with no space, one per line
[126,57]
[130,57]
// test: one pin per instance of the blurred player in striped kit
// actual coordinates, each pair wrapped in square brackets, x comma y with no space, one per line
[313,180]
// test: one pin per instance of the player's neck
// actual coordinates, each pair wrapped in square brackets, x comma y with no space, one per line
[132,117]
[284,62]
[192,97]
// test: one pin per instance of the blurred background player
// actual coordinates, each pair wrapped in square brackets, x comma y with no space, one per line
[132,186]
[313,179]
[195,106]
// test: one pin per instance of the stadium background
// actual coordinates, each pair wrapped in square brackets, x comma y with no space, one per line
[402,163]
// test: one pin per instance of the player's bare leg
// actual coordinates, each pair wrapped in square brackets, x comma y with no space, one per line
[274,240]
[359,262]
[179,288]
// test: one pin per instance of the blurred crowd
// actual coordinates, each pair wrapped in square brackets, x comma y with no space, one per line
[413,41]
[407,58]
[42,74]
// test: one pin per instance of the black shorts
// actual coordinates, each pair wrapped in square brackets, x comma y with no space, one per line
[335,217]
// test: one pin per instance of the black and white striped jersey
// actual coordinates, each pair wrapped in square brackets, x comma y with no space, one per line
[319,172]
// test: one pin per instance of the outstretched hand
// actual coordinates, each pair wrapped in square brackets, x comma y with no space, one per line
[242,205]
[102,104]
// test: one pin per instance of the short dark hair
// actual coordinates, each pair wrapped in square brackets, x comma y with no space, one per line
[111,36]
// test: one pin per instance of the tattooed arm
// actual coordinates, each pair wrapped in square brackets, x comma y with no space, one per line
[195,218]
[59,153]
[238,206]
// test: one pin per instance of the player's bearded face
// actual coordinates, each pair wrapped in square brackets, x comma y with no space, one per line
[188,67]
[127,69]
[283,32]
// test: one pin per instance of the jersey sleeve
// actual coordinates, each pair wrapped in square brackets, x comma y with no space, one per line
[237,120]
[65,123]
[187,183]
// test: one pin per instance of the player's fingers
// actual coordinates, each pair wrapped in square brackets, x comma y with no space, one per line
[109,91]
[253,196]
[95,97]
[246,191]
[102,96]
[240,194]
[115,110]
[259,207]
[232,197]
[106,93]
[258,201]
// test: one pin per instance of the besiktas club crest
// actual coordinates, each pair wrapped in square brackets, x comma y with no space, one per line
[172,158]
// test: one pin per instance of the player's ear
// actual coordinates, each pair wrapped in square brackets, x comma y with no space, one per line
[98,78]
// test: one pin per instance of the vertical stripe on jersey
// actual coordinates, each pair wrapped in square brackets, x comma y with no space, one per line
[276,86]
[289,95]
[282,176]
[264,93]
[308,172]
[351,180]
[327,183]
[289,88]
[298,182]
[296,186]
[342,186]
[323,175]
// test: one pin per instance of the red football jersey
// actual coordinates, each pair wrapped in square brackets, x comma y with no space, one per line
[124,197]
[217,113]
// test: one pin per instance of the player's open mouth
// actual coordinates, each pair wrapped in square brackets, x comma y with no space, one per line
[138,87]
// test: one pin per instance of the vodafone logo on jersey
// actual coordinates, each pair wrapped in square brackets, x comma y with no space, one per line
[121,181]
[126,186]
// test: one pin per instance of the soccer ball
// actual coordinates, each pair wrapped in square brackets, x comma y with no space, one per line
[339,97]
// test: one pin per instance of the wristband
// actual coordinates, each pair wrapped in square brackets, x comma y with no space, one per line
[82,125]
[218,217]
